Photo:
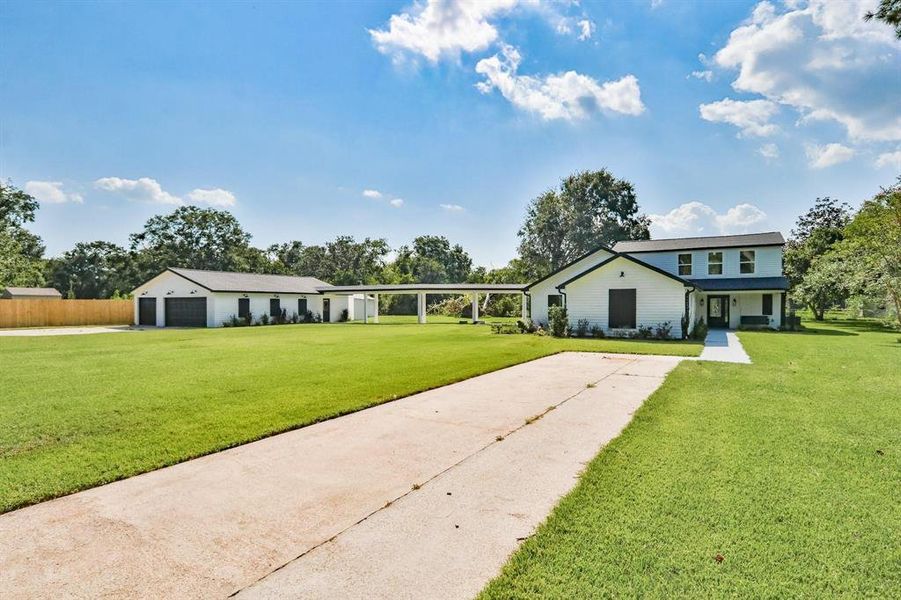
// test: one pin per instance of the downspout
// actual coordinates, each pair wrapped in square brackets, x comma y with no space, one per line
[688,322]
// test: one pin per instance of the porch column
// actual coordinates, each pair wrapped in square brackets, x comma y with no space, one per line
[420,306]
[365,308]
[475,307]
[375,309]
[525,307]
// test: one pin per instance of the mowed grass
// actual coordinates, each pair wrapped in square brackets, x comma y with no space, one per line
[780,479]
[79,411]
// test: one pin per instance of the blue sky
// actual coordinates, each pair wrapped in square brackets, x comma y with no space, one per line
[727,117]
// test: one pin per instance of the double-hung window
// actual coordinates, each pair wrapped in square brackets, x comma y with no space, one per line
[685,264]
[747,260]
[714,263]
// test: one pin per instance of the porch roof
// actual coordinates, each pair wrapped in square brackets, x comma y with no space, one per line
[740,284]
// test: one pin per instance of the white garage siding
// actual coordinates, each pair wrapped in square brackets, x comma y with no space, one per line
[226,304]
[169,285]
[658,298]
[540,291]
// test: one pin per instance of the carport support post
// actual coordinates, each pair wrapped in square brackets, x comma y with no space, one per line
[365,308]
[475,307]
[525,307]
[420,306]
[375,310]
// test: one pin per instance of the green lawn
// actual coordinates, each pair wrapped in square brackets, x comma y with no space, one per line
[78,411]
[789,470]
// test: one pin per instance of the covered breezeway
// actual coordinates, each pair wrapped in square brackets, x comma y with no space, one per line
[421,290]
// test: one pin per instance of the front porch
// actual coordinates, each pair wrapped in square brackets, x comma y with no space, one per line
[731,309]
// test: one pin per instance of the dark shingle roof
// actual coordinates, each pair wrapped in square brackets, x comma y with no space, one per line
[738,284]
[223,281]
[40,292]
[770,238]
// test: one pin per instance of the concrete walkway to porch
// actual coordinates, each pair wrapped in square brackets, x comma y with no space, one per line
[723,346]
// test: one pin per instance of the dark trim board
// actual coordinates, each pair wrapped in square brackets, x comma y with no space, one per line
[568,265]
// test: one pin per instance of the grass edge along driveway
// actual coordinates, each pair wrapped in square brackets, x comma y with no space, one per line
[776,479]
[81,411]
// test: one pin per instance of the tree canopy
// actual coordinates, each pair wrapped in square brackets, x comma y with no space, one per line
[588,210]
[21,251]
[93,270]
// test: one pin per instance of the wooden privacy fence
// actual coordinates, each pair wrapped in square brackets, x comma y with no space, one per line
[43,313]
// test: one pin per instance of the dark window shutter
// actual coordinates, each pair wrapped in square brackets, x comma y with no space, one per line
[621,309]
[768,304]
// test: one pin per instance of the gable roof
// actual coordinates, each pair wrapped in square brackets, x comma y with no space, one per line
[32,291]
[770,238]
[568,265]
[224,281]
[640,263]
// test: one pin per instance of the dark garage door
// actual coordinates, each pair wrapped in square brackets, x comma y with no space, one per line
[147,311]
[185,312]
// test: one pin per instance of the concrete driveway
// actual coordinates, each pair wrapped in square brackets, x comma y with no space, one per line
[88,329]
[426,496]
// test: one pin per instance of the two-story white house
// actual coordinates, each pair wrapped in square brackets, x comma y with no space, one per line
[726,281]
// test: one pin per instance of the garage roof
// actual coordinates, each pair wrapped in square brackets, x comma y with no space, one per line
[223,281]
[770,238]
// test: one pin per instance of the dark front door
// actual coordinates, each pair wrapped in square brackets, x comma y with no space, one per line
[326,310]
[718,311]
[147,311]
[185,312]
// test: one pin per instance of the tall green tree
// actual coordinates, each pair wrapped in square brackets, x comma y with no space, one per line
[94,270]
[589,209]
[432,259]
[343,261]
[21,252]
[197,238]
[872,248]
[824,285]
[889,12]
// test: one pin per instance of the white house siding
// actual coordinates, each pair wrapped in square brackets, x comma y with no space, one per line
[540,292]
[658,298]
[746,304]
[768,261]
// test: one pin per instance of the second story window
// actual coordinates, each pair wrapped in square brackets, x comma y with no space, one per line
[746,261]
[714,263]
[685,264]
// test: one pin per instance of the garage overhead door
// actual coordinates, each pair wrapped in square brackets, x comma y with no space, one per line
[185,312]
[147,311]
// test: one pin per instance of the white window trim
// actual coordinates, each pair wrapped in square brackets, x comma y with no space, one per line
[722,263]
[753,263]
[691,264]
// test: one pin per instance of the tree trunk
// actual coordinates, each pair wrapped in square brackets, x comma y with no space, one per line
[896,298]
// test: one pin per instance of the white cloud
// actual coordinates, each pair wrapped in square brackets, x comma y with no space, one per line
[150,191]
[822,59]
[217,198]
[396,202]
[51,192]
[697,218]
[144,189]
[586,29]
[820,157]
[706,75]
[752,117]
[769,151]
[452,207]
[374,194]
[889,159]
[439,28]
[568,95]
[656,4]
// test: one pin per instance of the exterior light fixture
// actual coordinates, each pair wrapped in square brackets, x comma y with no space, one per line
[170,292]
[702,302]
[244,295]
[622,273]
[734,301]
[193,291]
[275,295]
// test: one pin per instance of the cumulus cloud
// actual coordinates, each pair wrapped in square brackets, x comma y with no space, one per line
[706,75]
[568,95]
[144,189]
[150,191]
[396,202]
[452,207]
[752,117]
[820,157]
[51,192]
[217,198]
[374,194]
[697,218]
[822,59]
[889,159]
[439,28]
[586,29]
[769,151]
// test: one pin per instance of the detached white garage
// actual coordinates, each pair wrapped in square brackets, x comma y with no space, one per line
[196,298]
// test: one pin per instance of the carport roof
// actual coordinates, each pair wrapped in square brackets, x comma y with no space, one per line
[412,288]
[223,281]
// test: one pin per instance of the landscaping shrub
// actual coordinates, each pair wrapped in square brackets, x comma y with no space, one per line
[264,318]
[505,328]
[558,323]
[581,329]
[344,316]
[699,331]
[644,332]
[526,325]
[596,331]
[295,318]
[664,331]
